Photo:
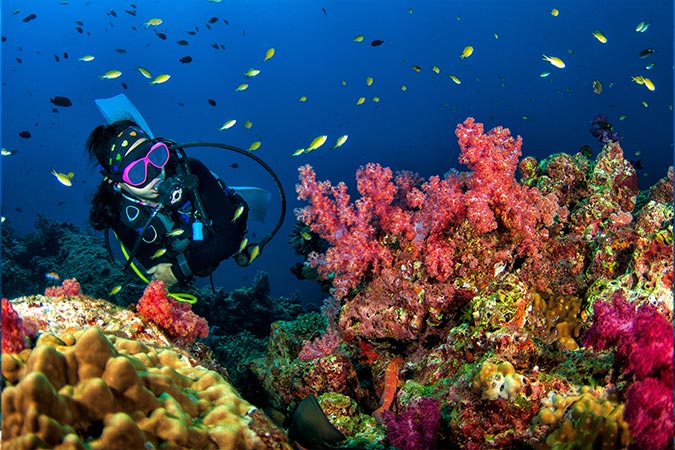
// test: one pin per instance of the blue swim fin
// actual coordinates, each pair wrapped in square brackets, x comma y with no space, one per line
[120,107]
[258,200]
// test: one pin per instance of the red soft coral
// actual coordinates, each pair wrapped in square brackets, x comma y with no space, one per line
[175,318]
[69,288]
[13,331]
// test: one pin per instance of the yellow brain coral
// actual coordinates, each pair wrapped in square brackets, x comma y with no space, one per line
[89,390]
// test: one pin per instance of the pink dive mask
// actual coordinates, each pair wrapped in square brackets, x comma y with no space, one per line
[136,173]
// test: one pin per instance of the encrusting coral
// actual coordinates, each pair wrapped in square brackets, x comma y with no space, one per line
[90,390]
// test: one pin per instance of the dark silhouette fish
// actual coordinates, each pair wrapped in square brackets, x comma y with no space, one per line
[120,50]
[162,36]
[212,102]
[186,59]
[61,101]
[30,17]
[24,134]
[182,42]
[377,42]
[213,20]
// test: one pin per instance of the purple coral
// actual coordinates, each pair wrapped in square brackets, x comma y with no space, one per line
[603,130]
[417,427]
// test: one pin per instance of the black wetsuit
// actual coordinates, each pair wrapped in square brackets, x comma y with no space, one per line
[187,257]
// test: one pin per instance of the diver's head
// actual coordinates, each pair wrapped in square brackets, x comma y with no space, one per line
[136,163]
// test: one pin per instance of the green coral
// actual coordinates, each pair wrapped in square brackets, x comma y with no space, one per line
[362,430]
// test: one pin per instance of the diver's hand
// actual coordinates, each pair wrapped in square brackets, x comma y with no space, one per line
[163,272]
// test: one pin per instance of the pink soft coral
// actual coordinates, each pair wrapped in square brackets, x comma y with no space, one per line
[69,288]
[644,346]
[175,318]
[13,331]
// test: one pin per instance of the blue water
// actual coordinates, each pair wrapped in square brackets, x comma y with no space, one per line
[501,85]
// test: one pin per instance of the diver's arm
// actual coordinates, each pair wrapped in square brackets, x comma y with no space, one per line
[145,253]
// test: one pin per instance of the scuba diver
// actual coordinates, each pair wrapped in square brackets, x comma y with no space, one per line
[173,218]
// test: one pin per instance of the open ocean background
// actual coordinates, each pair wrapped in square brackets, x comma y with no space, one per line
[315,52]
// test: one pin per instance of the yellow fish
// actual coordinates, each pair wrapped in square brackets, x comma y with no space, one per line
[153,22]
[622,117]
[404,88]
[144,72]
[242,245]
[600,37]
[376,99]
[159,79]
[597,87]
[250,73]
[86,58]
[254,253]
[455,79]
[302,98]
[344,82]
[358,38]
[176,232]
[416,68]
[648,83]
[544,74]
[65,179]
[241,87]
[254,146]
[555,61]
[638,79]
[7,152]
[555,12]
[436,69]
[229,124]
[642,27]
[360,101]
[115,290]
[369,81]
[248,124]
[341,140]
[468,51]
[645,104]
[158,253]
[305,235]
[269,53]
[237,213]
[316,143]
[109,75]
[299,151]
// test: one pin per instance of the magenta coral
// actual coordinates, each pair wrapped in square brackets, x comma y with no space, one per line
[13,331]
[417,427]
[644,346]
[175,318]
[69,288]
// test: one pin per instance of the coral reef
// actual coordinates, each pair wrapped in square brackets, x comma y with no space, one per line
[249,309]
[88,390]
[70,252]
[485,287]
